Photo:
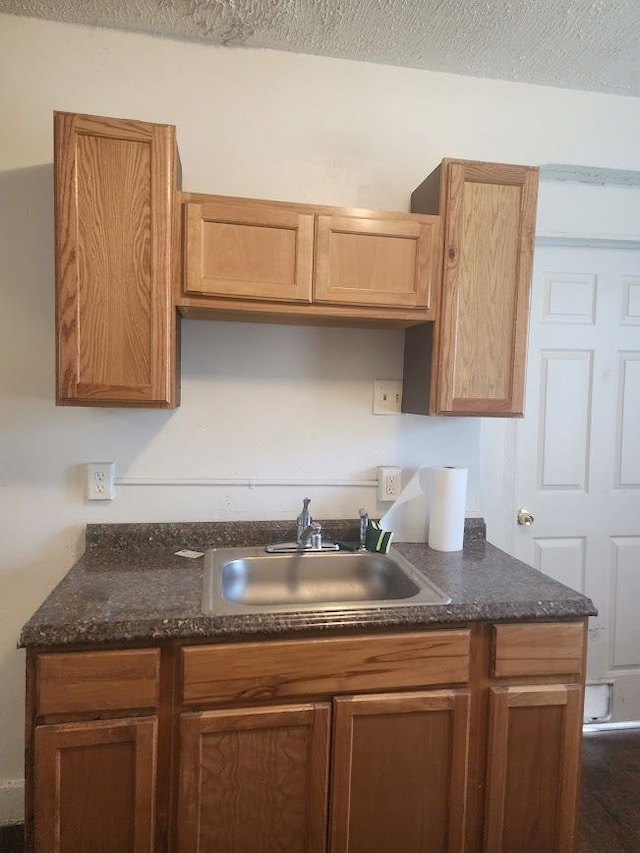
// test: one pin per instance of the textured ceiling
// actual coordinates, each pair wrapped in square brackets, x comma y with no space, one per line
[577,44]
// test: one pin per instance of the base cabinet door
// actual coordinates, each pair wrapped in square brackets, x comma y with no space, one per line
[254,780]
[533,768]
[399,774]
[95,786]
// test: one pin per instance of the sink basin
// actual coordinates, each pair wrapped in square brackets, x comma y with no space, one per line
[248,580]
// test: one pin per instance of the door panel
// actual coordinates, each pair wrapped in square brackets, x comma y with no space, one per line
[254,780]
[95,786]
[399,772]
[578,448]
[534,751]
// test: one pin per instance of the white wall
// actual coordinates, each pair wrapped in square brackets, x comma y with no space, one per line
[258,401]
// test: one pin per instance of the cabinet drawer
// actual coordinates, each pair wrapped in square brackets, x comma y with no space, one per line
[74,682]
[546,649]
[279,669]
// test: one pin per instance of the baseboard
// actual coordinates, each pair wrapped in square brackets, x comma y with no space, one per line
[594,728]
[11,801]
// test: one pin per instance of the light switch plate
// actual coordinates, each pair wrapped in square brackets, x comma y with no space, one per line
[387,396]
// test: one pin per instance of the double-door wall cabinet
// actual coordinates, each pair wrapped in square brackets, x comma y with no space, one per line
[452,739]
[285,261]
[131,249]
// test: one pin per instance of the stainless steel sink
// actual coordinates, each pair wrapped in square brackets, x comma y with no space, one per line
[248,580]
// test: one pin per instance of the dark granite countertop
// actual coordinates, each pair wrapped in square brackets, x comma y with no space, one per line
[130,586]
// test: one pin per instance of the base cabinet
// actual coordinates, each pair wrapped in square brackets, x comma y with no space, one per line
[257,779]
[95,786]
[462,739]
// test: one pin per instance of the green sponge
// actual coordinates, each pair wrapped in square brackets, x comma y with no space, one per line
[378,539]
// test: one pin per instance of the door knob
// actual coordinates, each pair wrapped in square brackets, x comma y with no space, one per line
[524,517]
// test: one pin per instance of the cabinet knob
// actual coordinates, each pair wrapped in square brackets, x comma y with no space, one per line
[525,517]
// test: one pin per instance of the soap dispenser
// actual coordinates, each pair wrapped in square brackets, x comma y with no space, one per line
[303,520]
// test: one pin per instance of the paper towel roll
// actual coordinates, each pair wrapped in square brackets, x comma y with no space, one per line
[448,505]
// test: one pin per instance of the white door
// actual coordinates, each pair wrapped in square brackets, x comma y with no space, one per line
[577,450]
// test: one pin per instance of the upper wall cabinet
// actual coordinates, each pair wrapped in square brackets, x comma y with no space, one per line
[258,258]
[476,351]
[115,184]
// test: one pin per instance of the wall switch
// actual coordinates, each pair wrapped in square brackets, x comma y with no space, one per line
[387,396]
[389,483]
[100,479]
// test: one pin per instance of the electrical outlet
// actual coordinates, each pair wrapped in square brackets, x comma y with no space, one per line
[389,483]
[387,396]
[100,479]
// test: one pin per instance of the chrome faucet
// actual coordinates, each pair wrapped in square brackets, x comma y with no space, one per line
[364,524]
[308,536]
[313,534]
[303,521]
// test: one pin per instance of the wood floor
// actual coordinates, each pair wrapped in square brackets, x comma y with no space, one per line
[610,794]
[609,800]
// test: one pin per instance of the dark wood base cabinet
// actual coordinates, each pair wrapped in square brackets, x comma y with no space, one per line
[457,739]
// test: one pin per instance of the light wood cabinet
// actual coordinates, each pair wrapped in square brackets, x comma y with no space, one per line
[451,739]
[95,786]
[252,259]
[115,184]
[472,360]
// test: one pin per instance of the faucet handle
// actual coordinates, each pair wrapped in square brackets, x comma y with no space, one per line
[316,536]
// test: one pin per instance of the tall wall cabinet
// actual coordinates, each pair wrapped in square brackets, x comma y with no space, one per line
[131,249]
[471,361]
[115,196]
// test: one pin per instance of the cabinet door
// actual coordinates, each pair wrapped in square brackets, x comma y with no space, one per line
[399,772]
[377,262]
[254,780]
[95,786]
[248,250]
[488,253]
[115,321]
[533,768]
